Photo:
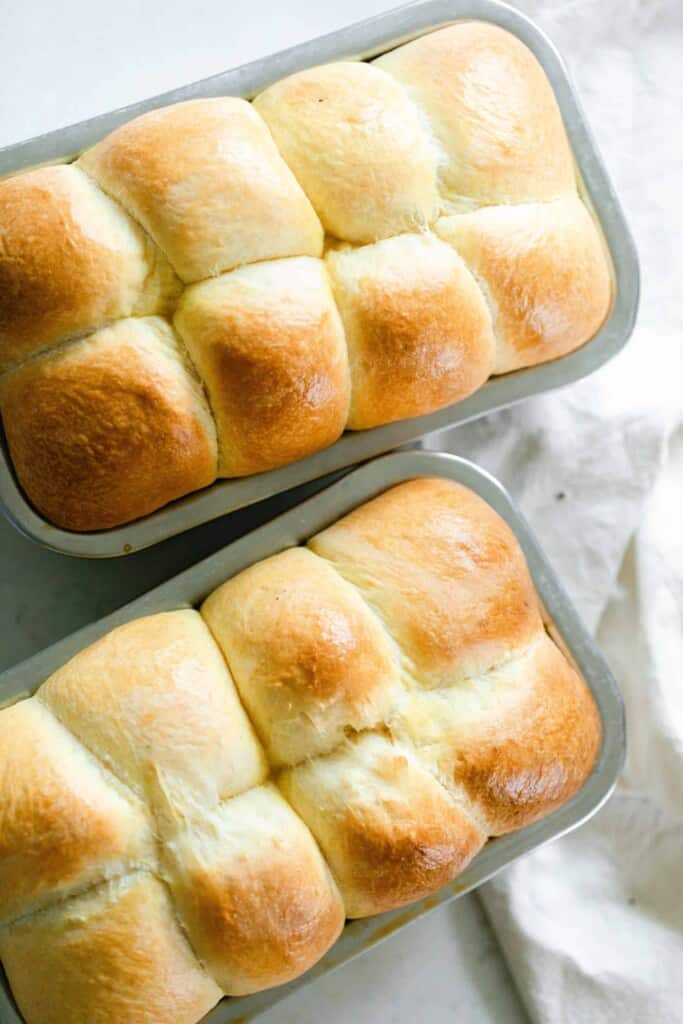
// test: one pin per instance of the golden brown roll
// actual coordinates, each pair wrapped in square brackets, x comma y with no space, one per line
[491,112]
[254,892]
[205,180]
[65,823]
[269,346]
[115,954]
[417,326]
[544,268]
[309,657]
[110,428]
[444,572]
[71,260]
[356,145]
[517,742]
[389,830]
[155,702]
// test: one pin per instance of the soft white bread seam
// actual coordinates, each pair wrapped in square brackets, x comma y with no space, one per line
[91,889]
[388,726]
[120,870]
[385,727]
[153,869]
[74,894]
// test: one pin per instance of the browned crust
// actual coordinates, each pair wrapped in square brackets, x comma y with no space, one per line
[418,329]
[115,956]
[205,182]
[393,861]
[61,824]
[390,832]
[108,430]
[493,729]
[254,892]
[308,656]
[269,925]
[205,179]
[545,269]
[70,262]
[445,572]
[538,756]
[273,361]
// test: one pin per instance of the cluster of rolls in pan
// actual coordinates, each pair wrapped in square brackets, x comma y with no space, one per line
[220,287]
[193,805]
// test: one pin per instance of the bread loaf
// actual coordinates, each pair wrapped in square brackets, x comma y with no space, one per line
[193,804]
[365,242]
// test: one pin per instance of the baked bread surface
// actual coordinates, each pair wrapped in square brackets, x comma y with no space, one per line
[365,242]
[193,804]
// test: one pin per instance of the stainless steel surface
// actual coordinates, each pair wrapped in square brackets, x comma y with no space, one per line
[363,40]
[297,525]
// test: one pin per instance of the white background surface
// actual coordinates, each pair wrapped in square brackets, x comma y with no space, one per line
[601,443]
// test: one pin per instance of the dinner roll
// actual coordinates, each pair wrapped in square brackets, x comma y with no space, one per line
[71,260]
[64,822]
[110,428]
[206,181]
[517,741]
[357,147]
[390,832]
[417,326]
[491,111]
[155,702]
[268,343]
[544,269]
[254,892]
[309,657]
[443,571]
[112,956]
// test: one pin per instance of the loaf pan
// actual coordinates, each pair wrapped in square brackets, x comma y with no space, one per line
[364,40]
[296,526]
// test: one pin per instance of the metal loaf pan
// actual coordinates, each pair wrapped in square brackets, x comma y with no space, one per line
[363,40]
[296,526]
